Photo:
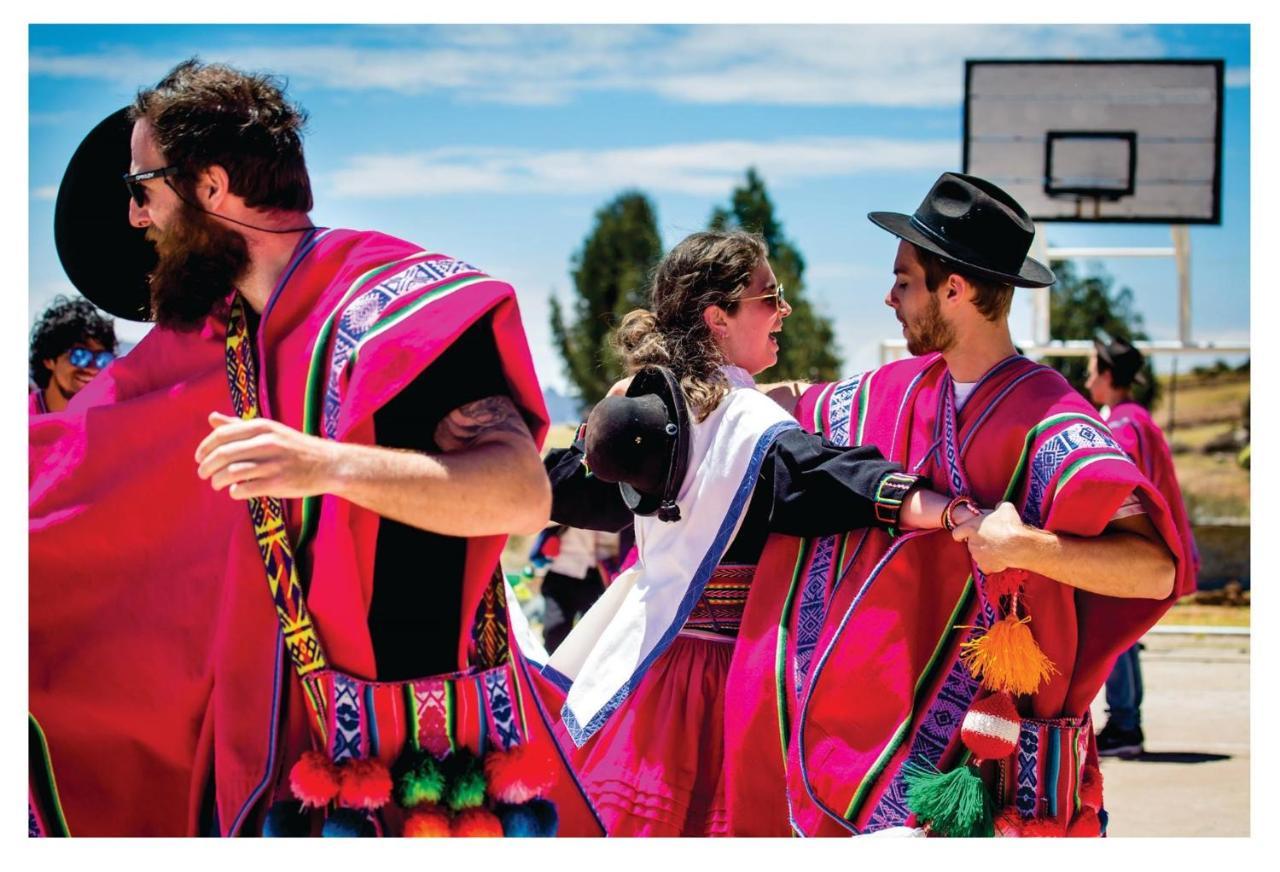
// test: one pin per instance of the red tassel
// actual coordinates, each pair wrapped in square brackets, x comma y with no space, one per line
[365,784]
[1091,788]
[1005,583]
[523,773]
[1009,824]
[476,823]
[1085,824]
[428,822]
[314,779]
[1042,828]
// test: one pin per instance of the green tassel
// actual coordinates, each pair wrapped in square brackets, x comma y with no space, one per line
[467,789]
[953,803]
[420,783]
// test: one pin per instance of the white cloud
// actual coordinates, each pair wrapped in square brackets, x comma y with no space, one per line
[689,168]
[45,192]
[853,64]
[1236,77]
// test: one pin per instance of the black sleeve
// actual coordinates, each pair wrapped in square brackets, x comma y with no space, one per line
[578,498]
[820,489]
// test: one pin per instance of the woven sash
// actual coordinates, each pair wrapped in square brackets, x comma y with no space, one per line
[267,513]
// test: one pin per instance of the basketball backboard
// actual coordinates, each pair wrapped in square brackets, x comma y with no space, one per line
[1121,140]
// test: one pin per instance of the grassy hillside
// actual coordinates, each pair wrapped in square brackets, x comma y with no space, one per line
[1204,408]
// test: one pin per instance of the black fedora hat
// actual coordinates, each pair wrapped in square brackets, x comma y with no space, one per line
[641,441]
[105,257]
[1123,360]
[974,224]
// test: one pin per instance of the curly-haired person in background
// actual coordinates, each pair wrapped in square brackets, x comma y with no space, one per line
[70,344]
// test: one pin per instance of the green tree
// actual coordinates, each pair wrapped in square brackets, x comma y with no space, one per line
[807,345]
[610,275]
[1082,306]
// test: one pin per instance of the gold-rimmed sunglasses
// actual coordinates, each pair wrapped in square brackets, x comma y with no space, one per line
[777,296]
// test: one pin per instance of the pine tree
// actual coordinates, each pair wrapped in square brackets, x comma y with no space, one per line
[807,344]
[1084,306]
[611,277]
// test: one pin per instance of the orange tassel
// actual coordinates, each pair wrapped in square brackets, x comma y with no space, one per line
[1007,657]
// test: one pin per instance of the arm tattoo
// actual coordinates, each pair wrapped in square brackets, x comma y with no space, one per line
[469,425]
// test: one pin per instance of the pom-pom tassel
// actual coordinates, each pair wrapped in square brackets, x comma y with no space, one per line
[1007,657]
[428,822]
[287,818]
[953,803]
[1085,824]
[523,773]
[536,818]
[465,779]
[476,823]
[314,779]
[419,780]
[365,784]
[348,823]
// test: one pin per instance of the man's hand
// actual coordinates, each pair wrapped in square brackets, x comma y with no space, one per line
[619,388]
[261,457]
[995,538]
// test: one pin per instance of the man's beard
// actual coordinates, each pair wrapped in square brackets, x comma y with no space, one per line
[930,332]
[199,263]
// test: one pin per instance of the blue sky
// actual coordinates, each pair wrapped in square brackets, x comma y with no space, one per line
[497,143]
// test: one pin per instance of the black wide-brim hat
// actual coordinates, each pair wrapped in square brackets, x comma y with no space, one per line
[976,225]
[105,257]
[641,441]
[1124,361]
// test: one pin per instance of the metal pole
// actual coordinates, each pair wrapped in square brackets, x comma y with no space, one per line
[1182,254]
[1173,398]
[1040,296]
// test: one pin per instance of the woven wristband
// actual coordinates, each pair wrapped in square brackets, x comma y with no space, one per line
[890,493]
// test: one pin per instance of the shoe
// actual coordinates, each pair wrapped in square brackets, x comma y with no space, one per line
[1125,744]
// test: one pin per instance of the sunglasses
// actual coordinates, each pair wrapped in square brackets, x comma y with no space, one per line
[133,181]
[777,296]
[81,357]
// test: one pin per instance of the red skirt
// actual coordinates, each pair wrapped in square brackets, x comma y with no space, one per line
[656,767]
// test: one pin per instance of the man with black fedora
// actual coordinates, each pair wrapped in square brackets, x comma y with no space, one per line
[1019,611]
[1114,368]
[287,508]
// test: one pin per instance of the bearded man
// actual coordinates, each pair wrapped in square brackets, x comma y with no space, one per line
[288,509]
[910,683]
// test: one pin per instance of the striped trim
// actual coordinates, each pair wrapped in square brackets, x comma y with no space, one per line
[44,802]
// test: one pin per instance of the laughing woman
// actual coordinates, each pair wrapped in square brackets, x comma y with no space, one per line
[707,468]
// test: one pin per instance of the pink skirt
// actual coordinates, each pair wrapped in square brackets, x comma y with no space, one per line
[656,767]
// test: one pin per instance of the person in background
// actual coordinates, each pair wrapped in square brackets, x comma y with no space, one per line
[1113,370]
[575,578]
[70,344]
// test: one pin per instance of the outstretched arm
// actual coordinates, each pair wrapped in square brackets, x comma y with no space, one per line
[1128,559]
[488,478]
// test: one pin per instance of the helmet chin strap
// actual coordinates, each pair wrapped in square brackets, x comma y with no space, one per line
[199,208]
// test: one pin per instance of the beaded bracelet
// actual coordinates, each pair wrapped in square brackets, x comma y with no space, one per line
[949,522]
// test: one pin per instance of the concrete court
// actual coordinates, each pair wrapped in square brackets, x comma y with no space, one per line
[1193,779]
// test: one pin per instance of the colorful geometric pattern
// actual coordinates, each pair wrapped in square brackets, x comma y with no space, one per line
[719,609]
[502,721]
[813,608]
[840,408]
[489,646]
[433,715]
[348,719]
[1050,457]
[938,727]
[364,313]
[267,513]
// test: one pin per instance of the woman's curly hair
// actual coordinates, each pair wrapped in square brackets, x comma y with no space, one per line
[711,268]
